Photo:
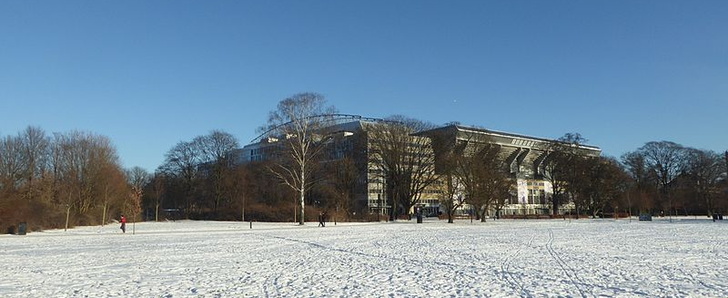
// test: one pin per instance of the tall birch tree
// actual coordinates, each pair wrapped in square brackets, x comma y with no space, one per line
[298,124]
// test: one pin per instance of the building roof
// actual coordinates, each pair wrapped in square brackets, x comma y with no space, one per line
[517,139]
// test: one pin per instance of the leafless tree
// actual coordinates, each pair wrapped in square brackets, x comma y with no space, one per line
[237,185]
[644,182]
[137,178]
[196,171]
[342,180]
[600,182]
[10,179]
[706,171]
[487,181]
[182,162]
[158,189]
[298,123]
[451,196]
[89,173]
[81,154]
[43,177]
[111,188]
[11,165]
[407,162]
[471,171]
[666,160]
[561,168]
[35,148]
[214,149]
[555,170]
[448,156]
[216,145]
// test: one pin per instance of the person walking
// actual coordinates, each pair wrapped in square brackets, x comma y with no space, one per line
[321,219]
[324,216]
[123,224]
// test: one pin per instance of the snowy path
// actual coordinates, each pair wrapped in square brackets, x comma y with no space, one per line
[509,258]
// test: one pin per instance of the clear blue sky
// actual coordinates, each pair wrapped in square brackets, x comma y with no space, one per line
[149,74]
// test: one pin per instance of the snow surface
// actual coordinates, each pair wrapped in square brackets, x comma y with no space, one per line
[505,258]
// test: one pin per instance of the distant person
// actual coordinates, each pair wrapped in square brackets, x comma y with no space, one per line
[322,219]
[123,224]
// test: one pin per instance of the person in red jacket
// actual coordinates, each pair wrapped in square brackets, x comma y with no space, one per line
[123,224]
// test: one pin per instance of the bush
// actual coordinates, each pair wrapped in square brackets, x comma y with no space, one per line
[37,215]
[263,212]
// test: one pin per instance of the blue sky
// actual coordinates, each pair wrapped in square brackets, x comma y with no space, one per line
[149,74]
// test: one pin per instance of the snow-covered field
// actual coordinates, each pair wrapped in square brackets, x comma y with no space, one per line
[506,258]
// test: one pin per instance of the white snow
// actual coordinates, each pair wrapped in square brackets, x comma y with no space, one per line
[505,258]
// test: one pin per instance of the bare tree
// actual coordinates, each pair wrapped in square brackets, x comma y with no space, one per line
[600,183]
[449,182]
[666,160]
[644,182]
[137,178]
[298,122]
[82,156]
[11,171]
[35,148]
[340,184]
[560,167]
[89,172]
[196,171]
[407,162]
[238,187]
[11,165]
[111,187]
[158,189]
[43,177]
[448,156]
[214,149]
[216,145]
[486,179]
[471,171]
[706,171]
[181,162]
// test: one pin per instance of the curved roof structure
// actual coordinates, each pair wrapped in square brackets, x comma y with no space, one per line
[329,119]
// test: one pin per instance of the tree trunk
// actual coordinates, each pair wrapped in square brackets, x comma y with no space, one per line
[301,213]
[68,215]
[302,194]
[103,214]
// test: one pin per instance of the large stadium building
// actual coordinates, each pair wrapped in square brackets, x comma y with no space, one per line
[522,154]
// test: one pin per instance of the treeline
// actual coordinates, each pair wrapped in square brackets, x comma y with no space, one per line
[201,179]
[60,180]
[75,178]
[198,180]
[659,178]
[669,178]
